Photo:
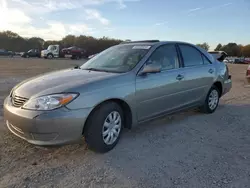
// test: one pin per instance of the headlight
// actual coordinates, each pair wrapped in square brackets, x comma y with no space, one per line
[49,102]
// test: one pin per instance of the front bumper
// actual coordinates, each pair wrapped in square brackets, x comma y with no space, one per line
[43,55]
[227,86]
[54,127]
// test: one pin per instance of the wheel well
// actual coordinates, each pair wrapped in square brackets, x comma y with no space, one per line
[219,86]
[127,112]
[125,107]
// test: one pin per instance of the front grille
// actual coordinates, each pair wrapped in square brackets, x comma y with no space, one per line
[18,101]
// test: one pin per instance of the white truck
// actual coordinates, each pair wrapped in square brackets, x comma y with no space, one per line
[53,51]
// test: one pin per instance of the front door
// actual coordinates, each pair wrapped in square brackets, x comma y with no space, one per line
[158,93]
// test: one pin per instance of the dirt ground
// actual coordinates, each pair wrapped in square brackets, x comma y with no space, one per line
[188,149]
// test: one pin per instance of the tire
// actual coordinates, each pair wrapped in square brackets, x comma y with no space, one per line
[50,56]
[95,127]
[207,107]
[27,56]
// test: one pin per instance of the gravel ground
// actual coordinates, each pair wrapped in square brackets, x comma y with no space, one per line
[188,149]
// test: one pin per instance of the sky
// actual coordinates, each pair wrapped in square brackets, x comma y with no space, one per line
[195,21]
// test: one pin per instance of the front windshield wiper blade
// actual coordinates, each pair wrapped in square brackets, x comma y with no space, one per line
[99,70]
[93,69]
[77,67]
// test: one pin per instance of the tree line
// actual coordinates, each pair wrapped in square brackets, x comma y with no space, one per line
[14,42]
[232,49]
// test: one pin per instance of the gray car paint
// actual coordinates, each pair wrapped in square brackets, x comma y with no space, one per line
[147,96]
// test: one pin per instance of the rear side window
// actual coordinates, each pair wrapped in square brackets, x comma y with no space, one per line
[191,56]
[205,60]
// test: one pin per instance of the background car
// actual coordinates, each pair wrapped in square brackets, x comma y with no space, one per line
[91,56]
[248,75]
[225,61]
[239,61]
[75,52]
[230,59]
[31,53]
[4,52]
[247,60]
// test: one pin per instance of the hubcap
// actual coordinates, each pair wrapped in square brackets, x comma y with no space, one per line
[111,128]
[213,99]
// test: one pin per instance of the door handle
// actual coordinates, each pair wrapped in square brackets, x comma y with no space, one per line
[211,71]
[179,77]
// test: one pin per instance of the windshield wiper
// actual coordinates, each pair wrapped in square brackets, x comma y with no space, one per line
[93,69]
[99,70]
[77,67]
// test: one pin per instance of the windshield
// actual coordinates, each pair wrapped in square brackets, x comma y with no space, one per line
[120,59]
[51,47]
[29,51]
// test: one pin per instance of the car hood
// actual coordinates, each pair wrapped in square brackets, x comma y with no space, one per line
[68,80]
[44,51]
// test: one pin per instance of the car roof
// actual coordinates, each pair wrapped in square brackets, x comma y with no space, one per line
[158,43]
[154,42]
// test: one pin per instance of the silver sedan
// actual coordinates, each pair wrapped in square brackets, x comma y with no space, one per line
[125,85]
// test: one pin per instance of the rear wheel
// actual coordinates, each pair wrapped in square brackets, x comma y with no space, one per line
[212,100]
[104,126]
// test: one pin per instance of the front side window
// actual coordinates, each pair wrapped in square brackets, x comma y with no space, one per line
[165,56]
[191,56]
[120,58]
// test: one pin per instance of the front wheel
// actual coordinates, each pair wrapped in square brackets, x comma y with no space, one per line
[49,56]
[104,126]
[212,101]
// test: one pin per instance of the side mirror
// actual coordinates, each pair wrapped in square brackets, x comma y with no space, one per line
[151,68]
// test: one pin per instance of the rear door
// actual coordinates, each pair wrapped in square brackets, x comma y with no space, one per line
[199,74]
